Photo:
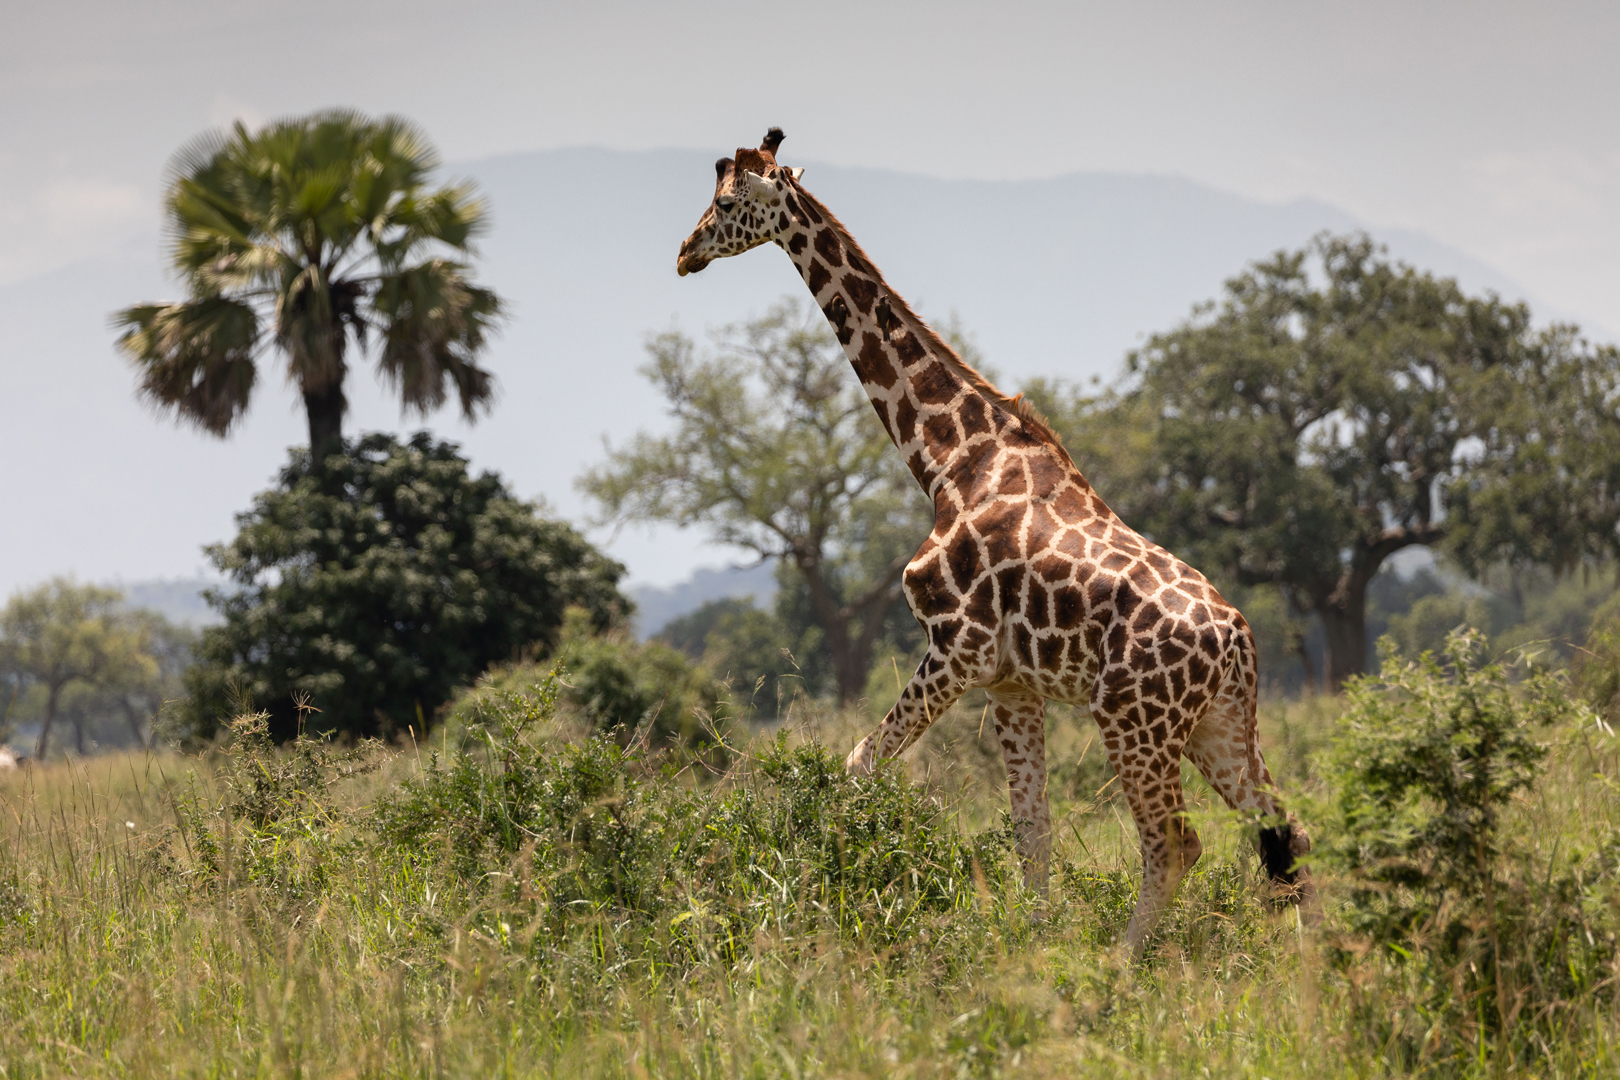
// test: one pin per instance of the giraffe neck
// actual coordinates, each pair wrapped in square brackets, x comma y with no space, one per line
[941,414]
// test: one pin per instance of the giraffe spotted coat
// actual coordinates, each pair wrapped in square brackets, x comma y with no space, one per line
[1028,586]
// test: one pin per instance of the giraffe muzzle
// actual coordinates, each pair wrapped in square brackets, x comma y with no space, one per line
[690,260]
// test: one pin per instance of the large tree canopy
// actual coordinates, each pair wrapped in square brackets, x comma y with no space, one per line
[1337,407]
[308,237]
[776,451]
[372,594]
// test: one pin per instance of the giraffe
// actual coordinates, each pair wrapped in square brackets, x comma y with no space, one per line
[1028,587]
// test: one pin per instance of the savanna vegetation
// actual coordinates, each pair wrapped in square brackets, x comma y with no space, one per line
[422,803]
[523,896]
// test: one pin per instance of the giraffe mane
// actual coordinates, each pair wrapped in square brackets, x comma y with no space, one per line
[1017,404]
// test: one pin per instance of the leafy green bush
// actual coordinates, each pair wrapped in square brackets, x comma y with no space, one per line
[1430,760]
[613,686]
[373,586]
[600,841]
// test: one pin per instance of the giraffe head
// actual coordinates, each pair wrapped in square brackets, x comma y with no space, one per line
[748,209]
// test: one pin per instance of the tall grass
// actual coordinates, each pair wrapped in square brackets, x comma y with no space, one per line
[541,904]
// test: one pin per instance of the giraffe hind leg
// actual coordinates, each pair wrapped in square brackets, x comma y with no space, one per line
[1150,775]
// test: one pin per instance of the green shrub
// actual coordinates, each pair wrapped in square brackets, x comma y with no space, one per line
[1430,759]
[612,686]
[602,843]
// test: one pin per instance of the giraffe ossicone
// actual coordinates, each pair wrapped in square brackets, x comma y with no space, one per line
[1028,587]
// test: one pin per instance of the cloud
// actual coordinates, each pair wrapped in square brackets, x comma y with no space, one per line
[76,206]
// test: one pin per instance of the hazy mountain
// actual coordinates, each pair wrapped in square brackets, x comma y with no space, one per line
[1056,277]
[179,600]
[656,606]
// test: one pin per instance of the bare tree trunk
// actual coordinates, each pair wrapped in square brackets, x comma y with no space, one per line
[851,650]
[135,725]
[43,743]
[78,733]
[1344,631]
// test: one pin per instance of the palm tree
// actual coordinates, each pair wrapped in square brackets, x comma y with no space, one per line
[324,231]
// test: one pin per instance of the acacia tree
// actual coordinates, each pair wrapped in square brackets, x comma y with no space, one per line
[1335,408]
[311,237]
[776,451]
[64,635]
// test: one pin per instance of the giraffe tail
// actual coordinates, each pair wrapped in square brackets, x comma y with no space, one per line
[1277,839]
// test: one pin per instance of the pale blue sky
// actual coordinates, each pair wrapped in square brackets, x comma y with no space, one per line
[1487,126]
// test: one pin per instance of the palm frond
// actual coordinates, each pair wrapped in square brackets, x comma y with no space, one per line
[196,357]
[433,323]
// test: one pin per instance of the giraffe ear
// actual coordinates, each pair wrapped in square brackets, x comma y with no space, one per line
[762,188]
[795,173]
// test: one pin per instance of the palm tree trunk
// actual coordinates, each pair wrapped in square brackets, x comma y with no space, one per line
[325,409]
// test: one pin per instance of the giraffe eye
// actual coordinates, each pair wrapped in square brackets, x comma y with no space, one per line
[725,202]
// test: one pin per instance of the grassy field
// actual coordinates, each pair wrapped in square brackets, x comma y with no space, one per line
[539,904]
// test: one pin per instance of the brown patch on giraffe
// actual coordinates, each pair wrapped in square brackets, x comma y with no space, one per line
[810,211]
[1013,480]
[1010,580]
[862,290]
[908,348]
[1049,652]
[1053,568]
[1126,599]
[933,385]
[1070,504]
[1147,618]
[1000,524]
[918,467]
[872,364]
[963,559]
[1022,645]
[882,411]
[927,588]
[1043,526]
[818,278]
[1037,607]
[828,248]
[972,415]
[1068,607]
[1144,579]
[981,603]
[797,245]
[905,420]
[944,633]
[939,432]
[1114,561]
[1045,475]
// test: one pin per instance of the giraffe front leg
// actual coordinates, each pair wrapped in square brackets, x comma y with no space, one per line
[1021,728]
[932,690]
